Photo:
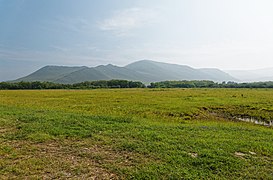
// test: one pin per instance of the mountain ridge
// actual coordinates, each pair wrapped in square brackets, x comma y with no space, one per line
[145,71]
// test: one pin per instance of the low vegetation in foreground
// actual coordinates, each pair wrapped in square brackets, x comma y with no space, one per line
[136,133]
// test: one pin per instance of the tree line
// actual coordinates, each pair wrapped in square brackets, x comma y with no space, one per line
[133,84]
[209,84]
[82,85]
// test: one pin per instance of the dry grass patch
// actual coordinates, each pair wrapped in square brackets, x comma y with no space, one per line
[66,159]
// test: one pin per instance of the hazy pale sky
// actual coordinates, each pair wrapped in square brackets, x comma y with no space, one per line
[226,34]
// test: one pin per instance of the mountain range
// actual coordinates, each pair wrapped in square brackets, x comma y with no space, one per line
[145,71]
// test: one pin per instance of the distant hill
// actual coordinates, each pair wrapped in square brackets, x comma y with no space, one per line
[217,74]
[265,74]
[51,73]
[145,71]
[158,71]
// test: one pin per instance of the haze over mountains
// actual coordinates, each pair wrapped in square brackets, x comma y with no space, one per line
[265,74]
[226,35]
[145,71]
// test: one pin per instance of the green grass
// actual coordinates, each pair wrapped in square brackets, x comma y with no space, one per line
[136,133]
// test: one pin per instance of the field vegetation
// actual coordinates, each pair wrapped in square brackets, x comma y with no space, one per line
[136,134]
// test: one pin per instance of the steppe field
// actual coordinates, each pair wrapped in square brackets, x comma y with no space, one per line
[136,134]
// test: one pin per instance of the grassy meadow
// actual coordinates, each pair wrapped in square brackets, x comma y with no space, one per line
[136,134]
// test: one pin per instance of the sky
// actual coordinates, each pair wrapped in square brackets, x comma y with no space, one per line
[224,34]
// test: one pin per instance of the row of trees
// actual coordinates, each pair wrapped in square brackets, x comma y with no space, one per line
[132,84]
[209,84]
[183,84]
[83,85]
[108,84]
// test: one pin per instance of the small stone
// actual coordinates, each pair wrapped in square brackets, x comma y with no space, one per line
[193,155]
[240,154]
[252,153]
